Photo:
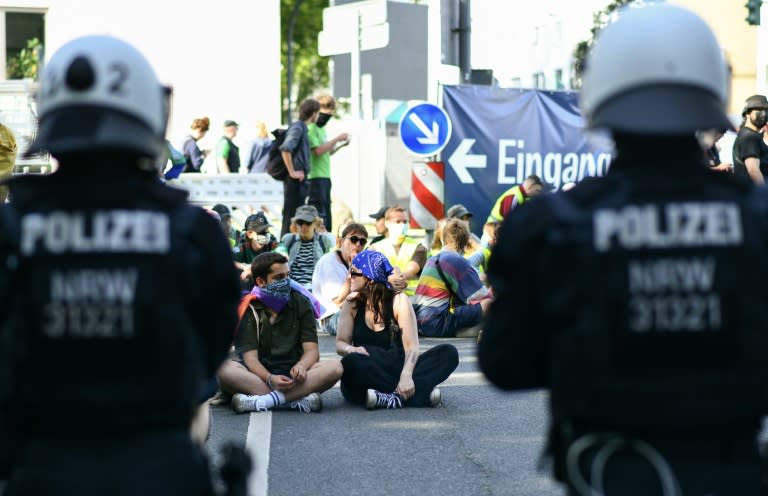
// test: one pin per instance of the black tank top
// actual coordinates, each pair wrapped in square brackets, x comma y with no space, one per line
[362,335]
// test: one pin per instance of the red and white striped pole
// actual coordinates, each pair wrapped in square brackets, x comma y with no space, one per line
[427,203]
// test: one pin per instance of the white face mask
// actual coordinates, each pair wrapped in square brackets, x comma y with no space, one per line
[396,231]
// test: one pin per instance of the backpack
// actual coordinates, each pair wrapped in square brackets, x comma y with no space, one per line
[275,164]
[292,241]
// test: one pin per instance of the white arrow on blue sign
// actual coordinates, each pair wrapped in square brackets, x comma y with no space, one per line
[425,129]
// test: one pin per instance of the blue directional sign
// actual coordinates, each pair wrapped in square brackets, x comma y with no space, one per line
[425,129]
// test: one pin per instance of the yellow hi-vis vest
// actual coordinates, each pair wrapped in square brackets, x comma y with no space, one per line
[399,259]
[495,215]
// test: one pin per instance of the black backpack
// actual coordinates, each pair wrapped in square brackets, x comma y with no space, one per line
[275,164]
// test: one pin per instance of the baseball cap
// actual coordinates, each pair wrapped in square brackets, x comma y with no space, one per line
[257,222]
[229,123]
[307,213]
[380,213]
[457,212]
[221,209]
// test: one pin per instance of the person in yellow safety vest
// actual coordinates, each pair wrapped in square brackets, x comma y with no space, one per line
[7,158]
[514,196]
[403,252]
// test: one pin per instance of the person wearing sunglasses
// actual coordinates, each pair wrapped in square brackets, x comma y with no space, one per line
[329,281]
[305,248]
[379,344]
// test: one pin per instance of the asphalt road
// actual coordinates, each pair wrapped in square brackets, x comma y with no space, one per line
[481,441]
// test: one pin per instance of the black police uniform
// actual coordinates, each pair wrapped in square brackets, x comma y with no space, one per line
[639,300]
[119,302]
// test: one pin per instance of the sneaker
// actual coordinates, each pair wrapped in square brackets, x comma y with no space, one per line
[310,403]
[242,403]
[376,399]
[435,397]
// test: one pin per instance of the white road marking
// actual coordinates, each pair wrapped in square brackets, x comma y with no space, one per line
[258,441]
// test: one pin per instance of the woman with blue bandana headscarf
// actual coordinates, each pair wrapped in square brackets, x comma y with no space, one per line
[378,341]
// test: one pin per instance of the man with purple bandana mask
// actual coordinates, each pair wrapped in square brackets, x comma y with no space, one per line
[378,341]
[278,359]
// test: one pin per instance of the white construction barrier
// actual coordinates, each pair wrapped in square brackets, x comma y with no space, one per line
[248,192]
[231,189]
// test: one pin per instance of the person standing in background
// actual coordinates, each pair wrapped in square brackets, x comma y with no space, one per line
[319,177]
[750,153]
[260,147]
[227,153]
[295,152]
[192,153]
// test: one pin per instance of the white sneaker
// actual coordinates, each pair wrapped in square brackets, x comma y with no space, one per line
[310,403]
[435,397]
[377,399]
[242,403]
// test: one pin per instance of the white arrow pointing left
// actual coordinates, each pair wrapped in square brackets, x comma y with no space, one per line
[430,136]
[461,160]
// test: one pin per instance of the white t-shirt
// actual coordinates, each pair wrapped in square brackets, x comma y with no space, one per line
[328,279]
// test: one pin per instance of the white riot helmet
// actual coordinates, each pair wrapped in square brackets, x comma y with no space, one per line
[657,69]
[100,93]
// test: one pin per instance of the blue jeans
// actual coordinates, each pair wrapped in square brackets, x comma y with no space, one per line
[462,317]
[329,324]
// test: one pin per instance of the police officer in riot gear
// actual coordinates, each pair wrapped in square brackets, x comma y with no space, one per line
[118,298]
[638,299]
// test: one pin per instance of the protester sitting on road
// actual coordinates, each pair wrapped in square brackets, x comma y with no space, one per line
[305,248]
[450,295]
[403,252]
[480,258]
[225,214]
[437,238]
[460,212]
[277,354]
[256,240]
[381,229]
[476,252]
[330,280]
[380,346]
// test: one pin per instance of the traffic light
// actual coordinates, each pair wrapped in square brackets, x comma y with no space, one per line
[753,9]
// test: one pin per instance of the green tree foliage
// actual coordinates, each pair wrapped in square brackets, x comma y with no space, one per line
[24,65]
[310,70]
[599,20]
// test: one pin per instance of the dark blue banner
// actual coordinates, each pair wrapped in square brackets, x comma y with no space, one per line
[500,136]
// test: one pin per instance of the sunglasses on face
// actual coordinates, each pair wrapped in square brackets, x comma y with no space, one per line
[302,223]
[354,274]
[356,240]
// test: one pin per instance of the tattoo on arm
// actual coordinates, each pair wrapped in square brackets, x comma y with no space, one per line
[411,357]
